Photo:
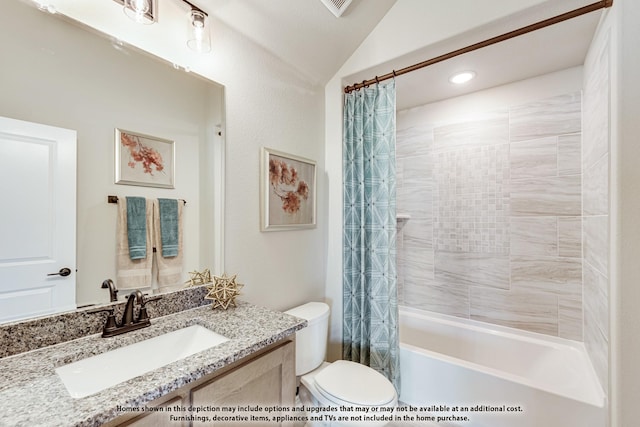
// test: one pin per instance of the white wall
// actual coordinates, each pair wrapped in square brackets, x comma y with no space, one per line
[267,104]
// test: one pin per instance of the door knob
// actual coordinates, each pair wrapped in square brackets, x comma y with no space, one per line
[64,272]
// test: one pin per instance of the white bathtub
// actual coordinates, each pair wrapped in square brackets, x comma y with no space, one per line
[457,362]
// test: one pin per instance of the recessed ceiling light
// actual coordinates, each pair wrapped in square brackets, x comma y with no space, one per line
[462,77]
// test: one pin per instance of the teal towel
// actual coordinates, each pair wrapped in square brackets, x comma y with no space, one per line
[137,227]
[168,209]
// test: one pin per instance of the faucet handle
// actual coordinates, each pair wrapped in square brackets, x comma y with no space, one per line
[153,298]
[111,318]
[143,316]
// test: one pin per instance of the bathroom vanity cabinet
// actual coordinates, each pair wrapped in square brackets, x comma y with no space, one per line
[265,378]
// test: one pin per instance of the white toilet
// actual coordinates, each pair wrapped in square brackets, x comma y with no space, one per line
[338,384]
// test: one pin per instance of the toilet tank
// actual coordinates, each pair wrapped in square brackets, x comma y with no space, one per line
[311,342]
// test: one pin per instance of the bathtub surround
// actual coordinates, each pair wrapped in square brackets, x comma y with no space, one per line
[495,216]
[595,199]
[551,379]
[370,298]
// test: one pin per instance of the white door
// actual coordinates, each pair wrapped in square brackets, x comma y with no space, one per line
[37,219]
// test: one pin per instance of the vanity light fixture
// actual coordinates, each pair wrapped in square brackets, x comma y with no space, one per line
[139,11]
[45,5]
[463,77]
[198,39]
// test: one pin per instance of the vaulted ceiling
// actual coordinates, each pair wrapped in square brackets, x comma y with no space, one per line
[303,33]
[306,35]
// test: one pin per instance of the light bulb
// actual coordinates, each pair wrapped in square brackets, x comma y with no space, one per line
[137,10]
[199,38]
[463,77]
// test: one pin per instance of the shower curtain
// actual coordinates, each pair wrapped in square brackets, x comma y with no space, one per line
[370,325]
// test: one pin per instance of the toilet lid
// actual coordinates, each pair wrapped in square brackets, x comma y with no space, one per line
[354,384]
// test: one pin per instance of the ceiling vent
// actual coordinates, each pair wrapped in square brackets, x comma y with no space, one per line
[337,7]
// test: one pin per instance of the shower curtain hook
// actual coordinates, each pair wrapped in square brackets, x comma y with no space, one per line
[377,81]
[394,74]
[364,84]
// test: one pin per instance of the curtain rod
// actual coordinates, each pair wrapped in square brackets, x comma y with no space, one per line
[506,36]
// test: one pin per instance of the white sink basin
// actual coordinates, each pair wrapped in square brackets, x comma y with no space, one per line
[97,373]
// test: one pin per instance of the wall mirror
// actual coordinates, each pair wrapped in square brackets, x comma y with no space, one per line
[59,73]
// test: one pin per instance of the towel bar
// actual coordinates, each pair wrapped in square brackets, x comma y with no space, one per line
[114,199]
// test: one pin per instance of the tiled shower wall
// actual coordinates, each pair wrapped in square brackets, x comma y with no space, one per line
[595,164]
[494,227]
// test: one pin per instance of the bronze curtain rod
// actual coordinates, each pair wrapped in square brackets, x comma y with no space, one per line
[506,36]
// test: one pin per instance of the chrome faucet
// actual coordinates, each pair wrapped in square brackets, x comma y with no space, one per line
[113,291]
[129,321]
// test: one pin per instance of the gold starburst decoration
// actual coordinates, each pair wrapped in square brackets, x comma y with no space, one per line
[223,291]
[198,278]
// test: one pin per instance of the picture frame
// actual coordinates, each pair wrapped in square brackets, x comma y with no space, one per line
[144,160]
[288,191]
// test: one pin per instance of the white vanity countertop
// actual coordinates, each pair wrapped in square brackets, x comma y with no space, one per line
[32,393]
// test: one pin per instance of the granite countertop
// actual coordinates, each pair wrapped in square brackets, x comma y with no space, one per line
[32,394]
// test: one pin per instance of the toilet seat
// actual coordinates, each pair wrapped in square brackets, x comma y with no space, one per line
[350,383]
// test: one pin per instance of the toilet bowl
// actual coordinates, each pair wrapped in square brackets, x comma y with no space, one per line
[341,393]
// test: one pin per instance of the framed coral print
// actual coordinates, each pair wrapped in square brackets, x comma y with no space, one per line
[144,160]
[288,191]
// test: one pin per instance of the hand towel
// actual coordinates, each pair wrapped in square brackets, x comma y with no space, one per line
[133,273]
[168,216]
[137,227]
[169,268]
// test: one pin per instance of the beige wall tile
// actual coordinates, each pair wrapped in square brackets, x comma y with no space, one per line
[596,108]
[489,129]
[570,236]
[417,202]
[534,235]
[569,154]
[596,187]
[597,346]
[546,196]
[417,171]
[570,316]
[531,311]
[548,117]
[473,269]
[596,242]
[560,276]
[418,233]
[414,141]
[451,299]
[538,158]
[417,265]
[596,298]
